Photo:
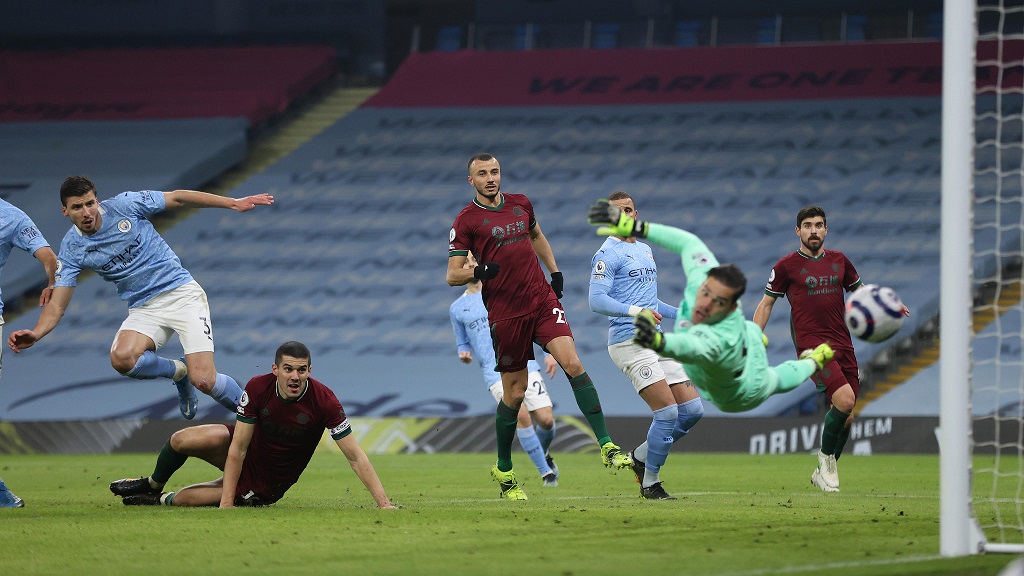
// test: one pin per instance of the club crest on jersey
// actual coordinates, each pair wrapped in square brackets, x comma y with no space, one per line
[302,418]
[517,211]
[124,225]
[701,259]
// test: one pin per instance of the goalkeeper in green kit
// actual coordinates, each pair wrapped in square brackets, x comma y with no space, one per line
[722,352]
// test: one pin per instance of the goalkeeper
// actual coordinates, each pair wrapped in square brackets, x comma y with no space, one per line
[723,353]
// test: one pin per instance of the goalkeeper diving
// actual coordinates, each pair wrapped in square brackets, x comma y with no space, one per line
[722,352]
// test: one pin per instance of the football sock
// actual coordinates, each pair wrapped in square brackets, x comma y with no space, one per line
[640,452]
[792,373]
[531,445]
[167,463]
[835,421]
[659,440]
[149,366]
[505,419]
[690,412]
[590,404]
[546,436]
[226,391]
[841,439]
[167,498]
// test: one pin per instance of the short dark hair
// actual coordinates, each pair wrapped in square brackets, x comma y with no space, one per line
[482,156]
[293,349]
[810,212]
[619,195]
[731,276]
[75,186]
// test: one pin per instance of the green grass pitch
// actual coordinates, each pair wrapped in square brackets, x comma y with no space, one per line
[736,515]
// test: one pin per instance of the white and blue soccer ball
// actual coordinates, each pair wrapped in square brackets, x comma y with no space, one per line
[874,313]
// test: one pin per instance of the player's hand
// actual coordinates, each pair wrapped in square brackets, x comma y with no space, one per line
[557,284]
[646,333]
[550,366]
[613,221]
[250,202]
[47,293]
[21,339]
[465,357]
[486,271]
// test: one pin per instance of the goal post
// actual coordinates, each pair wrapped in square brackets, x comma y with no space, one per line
[955,302]
[981,381]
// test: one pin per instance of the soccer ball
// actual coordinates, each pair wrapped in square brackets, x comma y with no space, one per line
[874,313]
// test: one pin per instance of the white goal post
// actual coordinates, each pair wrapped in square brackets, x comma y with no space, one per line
[982,185]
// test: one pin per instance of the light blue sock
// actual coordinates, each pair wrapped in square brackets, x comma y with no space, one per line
[659,441]
[531,445]
[689,413]
[226,391]
[150,366]
[640,452]
[546,436]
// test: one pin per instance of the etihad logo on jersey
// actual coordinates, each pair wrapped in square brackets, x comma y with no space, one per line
[126,257]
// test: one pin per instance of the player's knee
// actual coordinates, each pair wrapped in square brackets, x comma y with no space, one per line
[179,441]
[844,401]
[572,368]
[691,412]
[203,382]
[544,420]
[123,362]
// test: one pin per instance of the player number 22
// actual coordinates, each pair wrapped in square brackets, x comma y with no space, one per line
[561,315]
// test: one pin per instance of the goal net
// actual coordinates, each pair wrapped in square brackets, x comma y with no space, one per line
[982,381]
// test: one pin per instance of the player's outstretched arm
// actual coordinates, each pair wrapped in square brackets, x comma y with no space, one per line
[764,311]
[195,198]
[48,320]
[361,465]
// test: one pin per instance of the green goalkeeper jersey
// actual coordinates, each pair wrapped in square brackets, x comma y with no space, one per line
[726,361]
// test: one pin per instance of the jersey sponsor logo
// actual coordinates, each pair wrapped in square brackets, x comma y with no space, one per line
[30,232]
[124,225]
[126,257]
[340,428]
[497,232]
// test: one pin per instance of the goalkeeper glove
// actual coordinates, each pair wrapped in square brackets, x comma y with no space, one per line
[618,223]
[557,283]
[764,339]
[646,333]
[485,271]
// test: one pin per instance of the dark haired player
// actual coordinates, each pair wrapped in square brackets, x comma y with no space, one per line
[502,231]
[814,279]
[280,420]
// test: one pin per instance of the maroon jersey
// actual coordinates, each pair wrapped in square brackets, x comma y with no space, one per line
[287,432]
[502,235]
[815,287]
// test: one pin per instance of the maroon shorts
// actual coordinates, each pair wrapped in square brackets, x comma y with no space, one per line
[251,491]
[840,371]
[513,338]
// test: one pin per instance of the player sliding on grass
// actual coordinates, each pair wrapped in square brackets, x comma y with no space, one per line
[115,239]
[723,353]
[522,308]
[280,420]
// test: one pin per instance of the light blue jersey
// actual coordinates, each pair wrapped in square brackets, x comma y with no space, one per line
[17,229]
[473,334]
[624,274]
[126,250]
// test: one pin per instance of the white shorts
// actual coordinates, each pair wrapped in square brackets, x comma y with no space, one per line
[536,392]
[644,367]
[183,311]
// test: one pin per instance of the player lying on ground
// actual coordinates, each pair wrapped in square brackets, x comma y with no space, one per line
[281,418]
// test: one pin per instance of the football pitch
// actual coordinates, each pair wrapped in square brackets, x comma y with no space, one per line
[735,515]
